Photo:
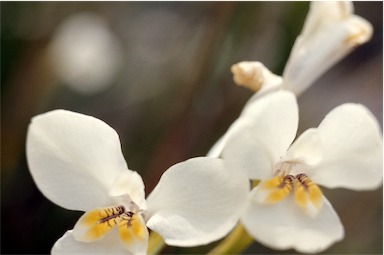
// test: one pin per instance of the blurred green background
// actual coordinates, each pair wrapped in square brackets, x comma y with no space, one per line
[158,73]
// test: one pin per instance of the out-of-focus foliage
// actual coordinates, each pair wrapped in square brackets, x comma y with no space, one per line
[160,77]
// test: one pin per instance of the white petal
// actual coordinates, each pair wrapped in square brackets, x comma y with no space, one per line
[196,202]
[284,225]
[322,12]
[307,148]
[217,148]
[353,154]
[266,128]
[108,245]
[246,153]
[74,159]
[330,32]
[275,119]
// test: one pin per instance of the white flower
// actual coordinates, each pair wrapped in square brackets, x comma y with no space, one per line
[76,162]
[330,32]
[85,54]
[287,208]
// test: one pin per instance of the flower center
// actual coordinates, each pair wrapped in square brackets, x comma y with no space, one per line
[95,224]
[307,195]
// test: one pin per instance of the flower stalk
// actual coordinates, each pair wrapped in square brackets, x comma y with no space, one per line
[155,243]
[235,243]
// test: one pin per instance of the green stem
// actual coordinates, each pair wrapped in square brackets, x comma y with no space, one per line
[155,243]
[236,242]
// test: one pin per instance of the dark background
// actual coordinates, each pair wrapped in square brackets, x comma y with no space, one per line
[170,96]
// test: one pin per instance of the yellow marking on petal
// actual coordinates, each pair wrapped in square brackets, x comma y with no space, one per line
[277,188]
[139,229]
[100,214]
[300,196]
[90,218]
[277,195]
[273,183]
[95,224]
[132,229]
[125,232]
[99,230]
[308,195]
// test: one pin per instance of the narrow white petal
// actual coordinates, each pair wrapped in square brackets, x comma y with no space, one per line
[284,225]
[68,245]
[196,202]
[274,119]
[330,32]
[245,153]
[74,159]
[306,149]
[353,153]
[217,148]
[262,134]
